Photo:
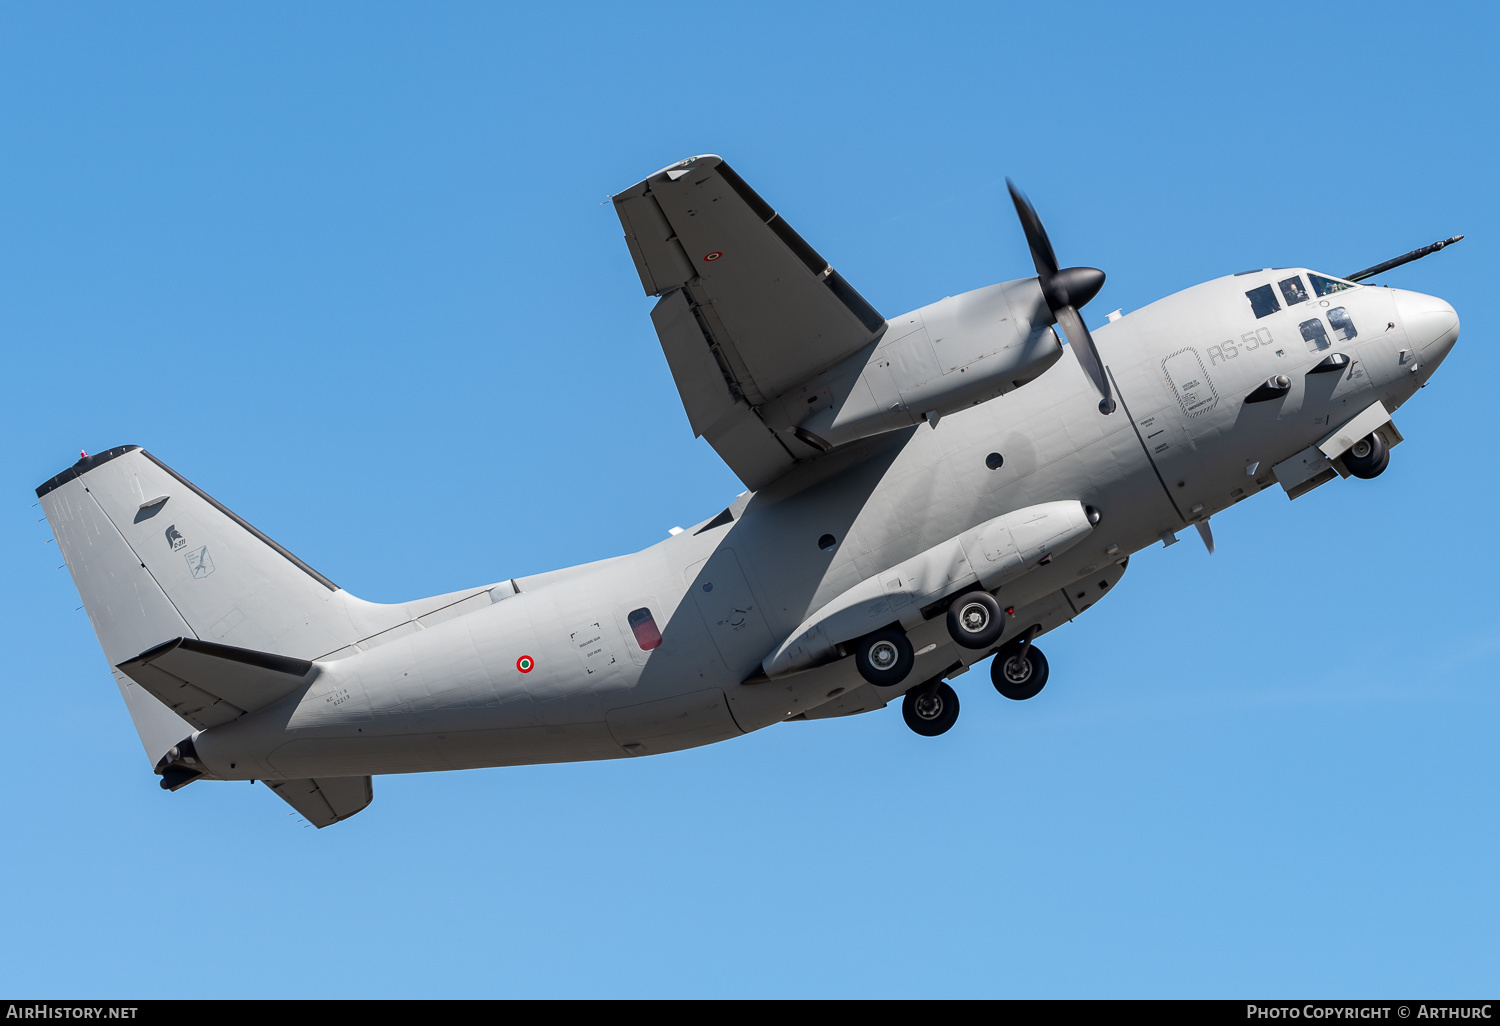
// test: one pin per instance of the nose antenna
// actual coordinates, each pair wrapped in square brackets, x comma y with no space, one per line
[1416,254]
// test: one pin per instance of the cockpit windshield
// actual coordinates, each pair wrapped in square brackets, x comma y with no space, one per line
[1292,290]
[1328,286]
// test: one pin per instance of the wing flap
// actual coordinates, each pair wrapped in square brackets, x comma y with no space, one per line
[715,411]
[701,382]
[753,451]
[325,801]
[208,684]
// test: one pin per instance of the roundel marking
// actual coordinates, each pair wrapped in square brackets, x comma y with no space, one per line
[525,664]
[711,257]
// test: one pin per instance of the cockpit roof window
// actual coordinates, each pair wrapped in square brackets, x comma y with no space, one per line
[1263,301]
[1328,286]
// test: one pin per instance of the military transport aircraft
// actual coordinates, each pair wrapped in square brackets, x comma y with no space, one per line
[923,491]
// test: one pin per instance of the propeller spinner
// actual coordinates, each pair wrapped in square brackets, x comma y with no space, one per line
[1066,289]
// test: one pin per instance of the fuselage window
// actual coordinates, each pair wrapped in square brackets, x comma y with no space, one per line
[1328,286]
[1342,323]
[1292,291]
[1263,301]
[646,633]
[1314,335]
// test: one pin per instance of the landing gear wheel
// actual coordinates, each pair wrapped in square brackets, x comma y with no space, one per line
[931,709]
[1368,457]
[884,658]
[1019,677]
[975,620]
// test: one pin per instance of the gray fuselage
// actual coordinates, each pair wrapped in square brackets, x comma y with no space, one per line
[560,672]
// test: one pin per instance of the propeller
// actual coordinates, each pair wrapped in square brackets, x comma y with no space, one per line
[1065,289]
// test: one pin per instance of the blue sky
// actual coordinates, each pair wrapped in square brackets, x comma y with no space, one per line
[349,268]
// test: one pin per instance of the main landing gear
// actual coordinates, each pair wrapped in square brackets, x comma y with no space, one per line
[931,708]
[975,620]
[1019,670]
[884,657]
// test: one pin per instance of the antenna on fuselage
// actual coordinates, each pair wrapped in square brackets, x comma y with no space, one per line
[1416,254]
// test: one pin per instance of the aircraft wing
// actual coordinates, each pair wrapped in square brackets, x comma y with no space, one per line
[748,310]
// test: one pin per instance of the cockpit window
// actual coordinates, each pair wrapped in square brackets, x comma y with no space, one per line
[1292,290]
[1314,335]
[1263,301]
[1328,286]
[1342,323]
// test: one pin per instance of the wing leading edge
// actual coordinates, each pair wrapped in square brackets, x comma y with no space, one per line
[748,310]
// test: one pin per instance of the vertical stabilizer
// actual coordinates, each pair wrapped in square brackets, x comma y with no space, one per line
[156,559]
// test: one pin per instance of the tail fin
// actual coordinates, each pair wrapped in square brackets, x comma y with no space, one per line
[155,559]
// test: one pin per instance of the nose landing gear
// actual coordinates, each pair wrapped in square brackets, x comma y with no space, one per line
[1368,457]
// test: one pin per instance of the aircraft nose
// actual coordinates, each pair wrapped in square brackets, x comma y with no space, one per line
[1431,324]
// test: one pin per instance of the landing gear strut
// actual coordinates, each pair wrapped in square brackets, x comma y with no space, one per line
[1019,670]
[931,708]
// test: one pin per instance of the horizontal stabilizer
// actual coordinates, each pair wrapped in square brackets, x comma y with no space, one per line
[326,801]
[208,684]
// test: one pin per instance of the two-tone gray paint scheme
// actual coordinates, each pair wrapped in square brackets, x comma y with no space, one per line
[549,669]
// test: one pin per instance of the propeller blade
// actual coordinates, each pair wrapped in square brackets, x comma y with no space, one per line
[1088,355]
[1065,290]
[1036,236]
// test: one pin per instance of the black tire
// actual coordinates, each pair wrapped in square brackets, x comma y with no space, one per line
[930,711]
[975,620]
[884,658]
[1016,679]
[1368,457]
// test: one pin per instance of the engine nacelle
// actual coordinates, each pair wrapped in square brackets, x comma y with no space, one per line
[990,555]
[953,354]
